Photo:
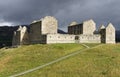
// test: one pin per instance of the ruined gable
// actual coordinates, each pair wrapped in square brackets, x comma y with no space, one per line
[110,33]
[89,27]
[110,27]
[49,25]
[20,36]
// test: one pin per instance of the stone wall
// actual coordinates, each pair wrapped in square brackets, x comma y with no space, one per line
[89,38]
[66,38]
[60,38]
[41,40]
[35,31]
[16,38]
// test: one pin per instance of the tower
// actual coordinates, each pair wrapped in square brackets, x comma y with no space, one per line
[44,26]
[108,34]
[102,32]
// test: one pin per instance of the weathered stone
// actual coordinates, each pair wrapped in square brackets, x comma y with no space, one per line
[89,27]
[110,33]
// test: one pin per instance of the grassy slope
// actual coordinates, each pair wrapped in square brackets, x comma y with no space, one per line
[17,60]
[103,61]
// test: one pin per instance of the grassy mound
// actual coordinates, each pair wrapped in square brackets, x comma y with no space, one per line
[17,60]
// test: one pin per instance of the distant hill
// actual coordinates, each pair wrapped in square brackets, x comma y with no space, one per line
[6,34]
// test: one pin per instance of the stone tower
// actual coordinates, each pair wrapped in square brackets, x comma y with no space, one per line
[20,36]
[102,32]
[44,26]
[108,34]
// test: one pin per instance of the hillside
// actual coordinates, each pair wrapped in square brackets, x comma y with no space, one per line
[16,60]
[102,61]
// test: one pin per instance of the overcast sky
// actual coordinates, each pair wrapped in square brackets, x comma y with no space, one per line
[16,12]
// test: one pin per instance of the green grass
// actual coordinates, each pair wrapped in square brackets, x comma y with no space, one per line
[16,60]
[102,61]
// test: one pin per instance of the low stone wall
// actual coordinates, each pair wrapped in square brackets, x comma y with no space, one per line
[90,38]
[60,38]
[66,38]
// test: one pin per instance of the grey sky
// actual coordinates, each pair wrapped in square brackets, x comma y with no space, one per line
[14,12]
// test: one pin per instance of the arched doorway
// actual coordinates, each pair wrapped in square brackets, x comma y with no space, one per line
[76,39]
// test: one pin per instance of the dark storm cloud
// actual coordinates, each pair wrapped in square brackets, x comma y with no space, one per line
[66,11]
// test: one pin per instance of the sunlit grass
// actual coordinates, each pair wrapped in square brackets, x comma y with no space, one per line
[20,59]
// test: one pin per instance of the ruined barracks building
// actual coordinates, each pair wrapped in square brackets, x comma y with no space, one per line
[44,31]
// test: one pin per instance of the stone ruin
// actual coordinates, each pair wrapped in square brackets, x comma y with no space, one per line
[44,31]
